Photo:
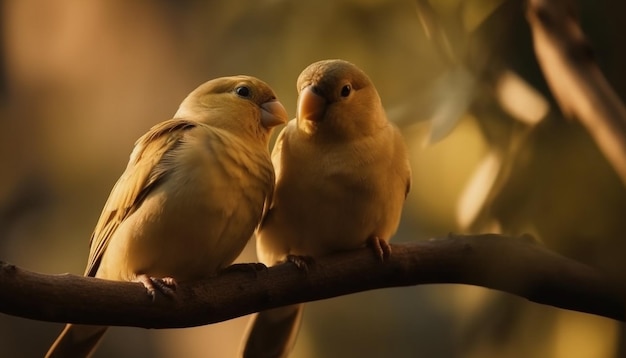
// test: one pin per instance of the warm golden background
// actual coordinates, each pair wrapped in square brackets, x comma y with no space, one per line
[81,80]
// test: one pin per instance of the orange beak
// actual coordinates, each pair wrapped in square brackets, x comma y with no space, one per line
[311,106]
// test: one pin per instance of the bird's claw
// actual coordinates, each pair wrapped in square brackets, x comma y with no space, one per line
[165,285]
[381,248]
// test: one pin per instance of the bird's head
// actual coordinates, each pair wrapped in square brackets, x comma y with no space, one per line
[242,104]
[336,98]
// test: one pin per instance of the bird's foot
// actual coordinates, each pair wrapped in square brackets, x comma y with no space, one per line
[381,248]
[302,262]
[165,285]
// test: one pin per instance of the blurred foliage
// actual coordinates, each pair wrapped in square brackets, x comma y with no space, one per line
[80,81]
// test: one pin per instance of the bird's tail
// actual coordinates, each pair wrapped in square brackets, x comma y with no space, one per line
[76,340]
[272,333]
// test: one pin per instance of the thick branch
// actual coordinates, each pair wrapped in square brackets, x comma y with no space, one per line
[575,79]
[513,265]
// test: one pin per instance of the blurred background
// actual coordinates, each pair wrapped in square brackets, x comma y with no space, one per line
[490,151]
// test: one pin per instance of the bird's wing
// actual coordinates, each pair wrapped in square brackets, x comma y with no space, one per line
[407,165]
[142,174]
[408,180]
[276,159]
[278,149]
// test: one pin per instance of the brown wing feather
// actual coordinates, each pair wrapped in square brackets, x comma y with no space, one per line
[139,178]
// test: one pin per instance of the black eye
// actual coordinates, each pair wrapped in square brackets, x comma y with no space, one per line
[345,90]
[242,91]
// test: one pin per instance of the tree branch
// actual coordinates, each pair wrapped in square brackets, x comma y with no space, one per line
[575,79]
[515,265]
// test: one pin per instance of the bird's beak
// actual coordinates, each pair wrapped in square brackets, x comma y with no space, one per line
[311,106]
[273,113]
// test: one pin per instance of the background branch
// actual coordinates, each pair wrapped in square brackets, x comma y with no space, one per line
[582,91]
[515,265]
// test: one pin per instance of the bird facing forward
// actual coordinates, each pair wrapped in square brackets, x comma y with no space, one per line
[193,192]
[342,175]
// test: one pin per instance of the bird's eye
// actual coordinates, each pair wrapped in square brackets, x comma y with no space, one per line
[345,90]
[243,91]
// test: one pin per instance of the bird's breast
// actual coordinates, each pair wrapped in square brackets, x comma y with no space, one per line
[201,216]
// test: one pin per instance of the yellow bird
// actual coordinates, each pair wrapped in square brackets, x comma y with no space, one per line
[194,190]
[342,175]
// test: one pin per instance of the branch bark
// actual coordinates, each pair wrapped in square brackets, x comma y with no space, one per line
[515,265]
[582,91]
